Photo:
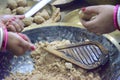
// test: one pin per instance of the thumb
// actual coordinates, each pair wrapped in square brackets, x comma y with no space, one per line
[26,45]
[24,37]
[20,16]
[90,10]
[88,24]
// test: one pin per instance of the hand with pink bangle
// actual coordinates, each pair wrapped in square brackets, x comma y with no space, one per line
[103,21]
[12,22]
[11,40]
[17,43]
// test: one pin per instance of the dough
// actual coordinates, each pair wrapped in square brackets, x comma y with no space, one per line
[44,14]
[14,11]
[22,3]
[6,11]
[12,4]
[28,21]
[50,67]
[56,15]
[20,10]
[47,15]
[38,19]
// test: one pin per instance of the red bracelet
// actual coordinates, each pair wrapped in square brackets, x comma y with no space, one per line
[115,17]
[5,39]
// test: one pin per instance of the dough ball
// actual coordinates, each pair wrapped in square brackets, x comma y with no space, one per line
[81,14]
[49,21]
[28,21]
[56,15]
[27,8]
[87,17]
[12,4]
[20,10]
[14,11]
[39,19]
[7,11]
[68,65]
[44,14]
[22,3]
[33,25]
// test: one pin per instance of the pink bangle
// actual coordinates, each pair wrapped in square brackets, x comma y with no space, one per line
[115,17]
[5,39]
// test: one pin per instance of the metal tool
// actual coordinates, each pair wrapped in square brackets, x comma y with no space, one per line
[88,55]
[37,7]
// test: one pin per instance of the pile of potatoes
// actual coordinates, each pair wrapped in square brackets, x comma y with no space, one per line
[19,7]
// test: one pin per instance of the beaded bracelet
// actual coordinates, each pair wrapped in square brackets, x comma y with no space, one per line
[118,17]
[115,17]
[1,37]
[5,39]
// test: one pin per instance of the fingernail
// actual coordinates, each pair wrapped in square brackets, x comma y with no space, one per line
[83,9]
[32,48]
[9,21]
[22,17]
[13,19]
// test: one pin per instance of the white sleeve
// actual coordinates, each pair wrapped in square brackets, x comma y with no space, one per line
[118,17]
[1,37]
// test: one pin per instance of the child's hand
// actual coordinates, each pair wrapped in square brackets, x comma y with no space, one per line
[12,22]
[102,22]
[18,43]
